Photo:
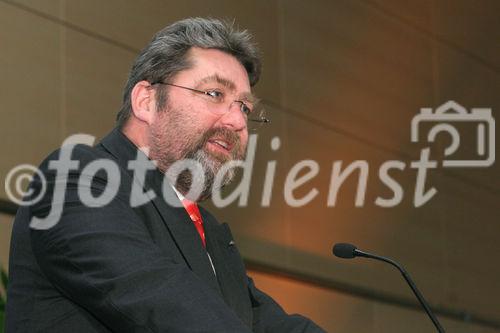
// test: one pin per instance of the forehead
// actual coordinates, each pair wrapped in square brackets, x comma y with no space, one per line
[215,66]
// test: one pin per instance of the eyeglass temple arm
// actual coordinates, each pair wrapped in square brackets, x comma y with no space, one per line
[260,120]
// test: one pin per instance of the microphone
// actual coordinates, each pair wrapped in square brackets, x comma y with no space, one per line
[349,251]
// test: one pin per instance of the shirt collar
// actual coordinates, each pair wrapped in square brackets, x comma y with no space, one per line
[179,194]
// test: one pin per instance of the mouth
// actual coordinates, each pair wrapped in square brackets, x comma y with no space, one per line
[221,145]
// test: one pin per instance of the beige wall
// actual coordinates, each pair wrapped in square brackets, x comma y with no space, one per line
[339,312]
[5,230]
[342,81]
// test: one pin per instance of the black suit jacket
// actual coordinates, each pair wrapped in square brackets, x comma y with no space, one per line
[122,269]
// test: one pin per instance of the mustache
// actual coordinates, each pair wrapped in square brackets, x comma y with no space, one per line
[227,135]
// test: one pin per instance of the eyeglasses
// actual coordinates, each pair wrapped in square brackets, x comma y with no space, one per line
[254,114]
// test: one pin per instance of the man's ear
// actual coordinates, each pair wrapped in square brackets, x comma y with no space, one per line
[143,102]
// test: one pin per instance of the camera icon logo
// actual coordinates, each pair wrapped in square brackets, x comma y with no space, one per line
[443,119]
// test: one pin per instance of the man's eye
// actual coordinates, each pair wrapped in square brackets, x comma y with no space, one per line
[245,109]
[215,94]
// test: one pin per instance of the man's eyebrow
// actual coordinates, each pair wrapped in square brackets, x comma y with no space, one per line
[216,78]
[249,97]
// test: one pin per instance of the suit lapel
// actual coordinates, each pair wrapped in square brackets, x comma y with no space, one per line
[175,218]
[184,233]
[231,278]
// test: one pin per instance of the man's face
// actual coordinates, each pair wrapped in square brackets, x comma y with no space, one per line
[193,127]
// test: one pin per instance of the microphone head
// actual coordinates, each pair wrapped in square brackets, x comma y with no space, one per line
[344,250]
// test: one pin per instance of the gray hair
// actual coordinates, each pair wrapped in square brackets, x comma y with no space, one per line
[165,55]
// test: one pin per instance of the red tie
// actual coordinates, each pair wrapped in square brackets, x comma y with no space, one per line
[194,213]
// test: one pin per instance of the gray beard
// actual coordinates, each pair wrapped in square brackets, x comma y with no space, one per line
[210,166]
[195,151]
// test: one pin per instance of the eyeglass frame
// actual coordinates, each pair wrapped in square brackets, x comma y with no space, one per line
[261,119]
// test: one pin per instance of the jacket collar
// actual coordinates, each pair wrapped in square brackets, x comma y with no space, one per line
[226,257]
[174,215]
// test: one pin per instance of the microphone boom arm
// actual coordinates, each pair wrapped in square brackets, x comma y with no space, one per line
[420,297]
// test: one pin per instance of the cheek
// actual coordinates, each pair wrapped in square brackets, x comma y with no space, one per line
[197,116]
[184,118]
[244,139]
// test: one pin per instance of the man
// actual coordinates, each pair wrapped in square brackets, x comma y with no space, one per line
[157,265]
